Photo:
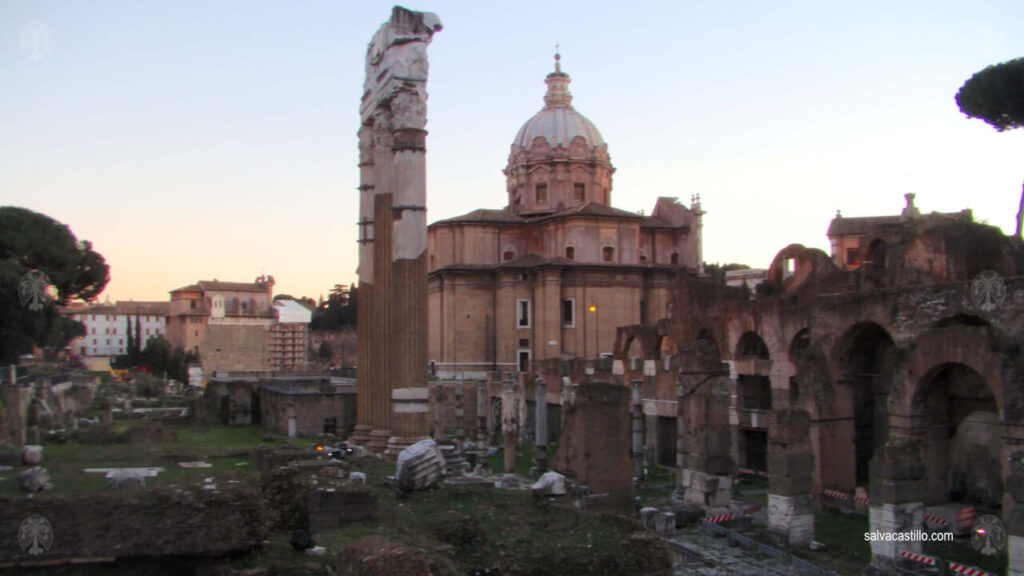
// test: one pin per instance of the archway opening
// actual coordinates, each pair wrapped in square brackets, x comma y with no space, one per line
[962,441]
[867,367]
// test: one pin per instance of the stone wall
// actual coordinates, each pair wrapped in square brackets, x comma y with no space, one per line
[343,346]
[595,444]
[155,522]
[310,408]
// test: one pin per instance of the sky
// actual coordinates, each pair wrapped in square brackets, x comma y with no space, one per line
[200,140]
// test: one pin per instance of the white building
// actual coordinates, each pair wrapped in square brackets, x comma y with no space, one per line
[106,326]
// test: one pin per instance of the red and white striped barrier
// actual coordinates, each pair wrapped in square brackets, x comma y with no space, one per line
[747,471]
[751,509]
[935,520]
[836,494]
[719,518]
[966,516]
[927,560]
[762,474]
[863,500]
[967,570]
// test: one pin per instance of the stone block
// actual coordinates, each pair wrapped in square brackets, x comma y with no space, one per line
[665,523]
[717,441]
[718,465]
[791,486]
[34,479]
[1015,555]
[896,491]
[31,455]
[647,515]
[550,484]
[331,509]
[419,466]
[890,470]
[789,427]
[791,465]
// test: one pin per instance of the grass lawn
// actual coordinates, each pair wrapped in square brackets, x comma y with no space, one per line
[225,448]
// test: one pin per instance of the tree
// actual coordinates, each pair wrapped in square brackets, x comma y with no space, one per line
[338,311]
[325,351]
[716,272]
[29,242]
[157,355]
[996,95]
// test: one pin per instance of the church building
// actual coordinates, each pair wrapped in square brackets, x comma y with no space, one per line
[550,276]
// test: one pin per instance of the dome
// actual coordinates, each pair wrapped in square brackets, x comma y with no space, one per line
[558,126]
[558,123]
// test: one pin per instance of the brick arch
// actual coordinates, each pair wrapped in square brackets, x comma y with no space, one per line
[750,345]
[648,337]
[968,347]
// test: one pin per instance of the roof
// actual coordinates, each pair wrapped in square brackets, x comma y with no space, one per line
[204,285]
[486,215]
[843,226]
[558,123]
[292,312]
[129,307]
[559,126]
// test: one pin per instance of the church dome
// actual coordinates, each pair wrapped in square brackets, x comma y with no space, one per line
[558,123]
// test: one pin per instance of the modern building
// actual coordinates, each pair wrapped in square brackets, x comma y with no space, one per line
[289,336]
[551,275]
[107,326]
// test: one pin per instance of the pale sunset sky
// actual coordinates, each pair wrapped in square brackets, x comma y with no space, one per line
[200,140]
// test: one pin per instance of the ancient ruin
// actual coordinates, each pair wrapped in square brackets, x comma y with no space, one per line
[392,386]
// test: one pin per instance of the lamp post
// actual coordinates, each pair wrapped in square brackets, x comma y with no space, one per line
[597,328]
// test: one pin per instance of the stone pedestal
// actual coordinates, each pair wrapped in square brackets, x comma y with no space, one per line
[1015,555]
[896,489]
[707,446]
[791,471]
[791,518]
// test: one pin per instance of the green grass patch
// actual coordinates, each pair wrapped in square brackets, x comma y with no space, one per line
[225,448]
[523,459]
[843,534]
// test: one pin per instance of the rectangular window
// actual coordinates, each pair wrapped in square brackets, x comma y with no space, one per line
[788,268]
[192,304]
[570,253]
[120,341]
[568,313]
[578,191]
[523,313]
[542,193]
[607,253]
[853,256]
[108,341]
